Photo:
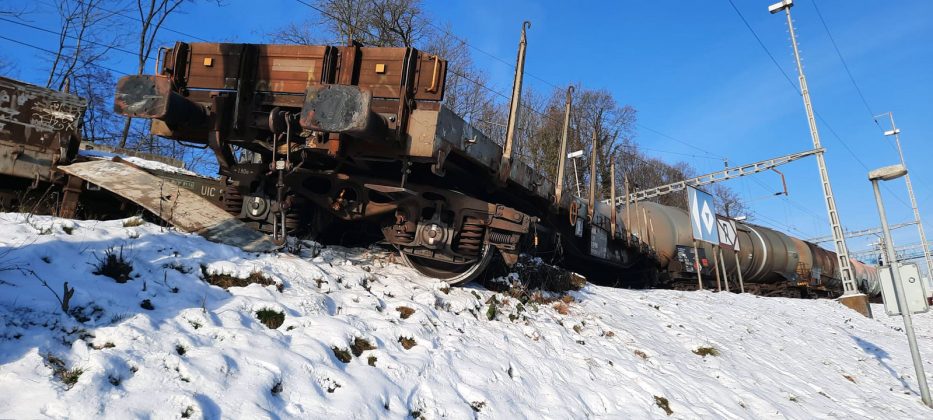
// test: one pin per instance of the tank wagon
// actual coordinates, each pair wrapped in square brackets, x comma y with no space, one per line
[772,262]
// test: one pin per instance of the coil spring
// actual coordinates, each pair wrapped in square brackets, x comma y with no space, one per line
[471,236]
[500,237]
[233,201]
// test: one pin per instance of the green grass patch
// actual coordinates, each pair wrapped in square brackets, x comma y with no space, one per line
[271,318]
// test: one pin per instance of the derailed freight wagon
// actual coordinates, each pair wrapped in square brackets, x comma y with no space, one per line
[337,140]
[39,128]
[40,133]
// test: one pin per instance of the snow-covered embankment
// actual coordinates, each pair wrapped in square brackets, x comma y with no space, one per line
[363,337]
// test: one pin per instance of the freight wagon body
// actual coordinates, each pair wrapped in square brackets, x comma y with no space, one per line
[336,140]
[40,130]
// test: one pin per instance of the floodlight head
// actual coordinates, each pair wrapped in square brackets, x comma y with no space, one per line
[576,154]
[781,5]
[887,173]
[740,218]
[892,132]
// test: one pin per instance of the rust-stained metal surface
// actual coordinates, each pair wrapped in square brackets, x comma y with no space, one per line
[152,97]
[176,205]
[361,135]
[341,109]
[39,128]
[357,135]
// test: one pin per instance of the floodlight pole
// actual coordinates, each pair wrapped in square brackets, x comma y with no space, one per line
[842,251]
[891,264]
[896,132]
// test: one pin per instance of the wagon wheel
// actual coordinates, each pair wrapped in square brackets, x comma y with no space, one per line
[453,274]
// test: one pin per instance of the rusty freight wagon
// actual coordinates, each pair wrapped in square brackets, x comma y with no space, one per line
[333,140]
[39,128]
[40,134]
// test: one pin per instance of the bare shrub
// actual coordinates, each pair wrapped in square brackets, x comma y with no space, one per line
[114,265]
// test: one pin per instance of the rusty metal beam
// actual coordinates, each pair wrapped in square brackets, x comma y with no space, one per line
[152,97]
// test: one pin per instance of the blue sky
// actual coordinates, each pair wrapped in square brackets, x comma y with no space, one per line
[694,72]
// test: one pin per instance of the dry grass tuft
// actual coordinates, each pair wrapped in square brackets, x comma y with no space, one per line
[342,355]
[107,345]
[706,351]
[405,311]
[359,345]
[60,371]
[562,308]
[535,274]
[664,404]
[226,281]
[407,342]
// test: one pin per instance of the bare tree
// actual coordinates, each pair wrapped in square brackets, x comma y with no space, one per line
[95,84]
[346,19]
[396,22]
[463,93]
[152,15]
[298,33]
[380,23]
[728,202]
[80,42]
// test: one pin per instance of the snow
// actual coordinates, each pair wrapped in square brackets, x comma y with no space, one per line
[143,163]
[609,356]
